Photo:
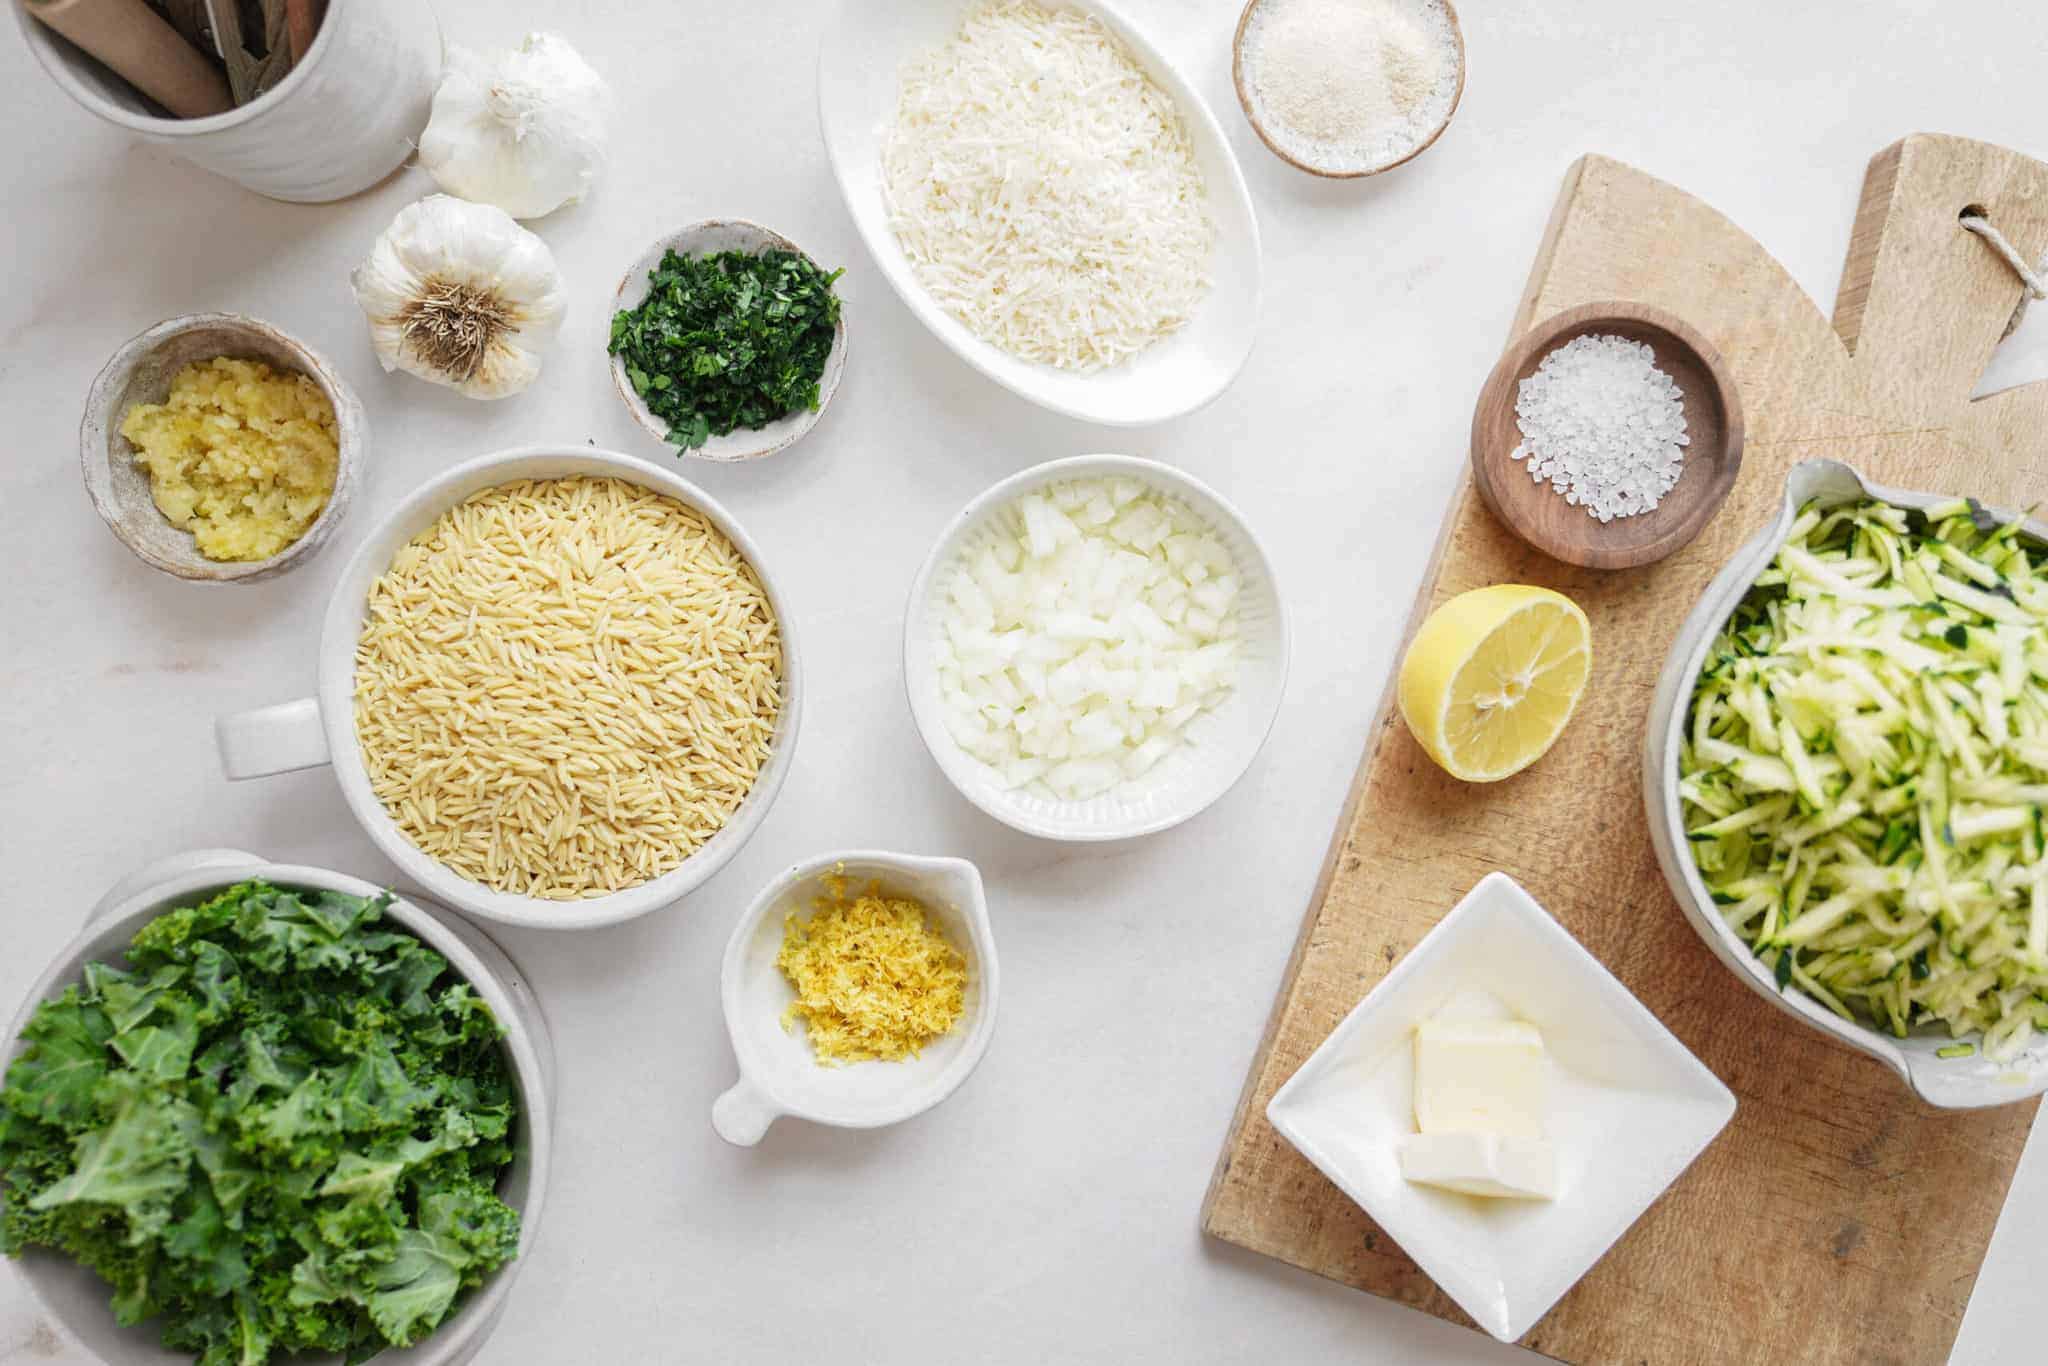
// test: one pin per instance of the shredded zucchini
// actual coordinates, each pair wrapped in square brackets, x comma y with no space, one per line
[1866,764]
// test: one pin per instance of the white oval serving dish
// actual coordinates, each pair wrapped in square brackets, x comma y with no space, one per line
[703,239]
[863,52]
[321,730]
[779,1074]
[1219,745]
[77,1299]
[1949,1083]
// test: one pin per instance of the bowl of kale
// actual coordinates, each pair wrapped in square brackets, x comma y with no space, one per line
[258,1113]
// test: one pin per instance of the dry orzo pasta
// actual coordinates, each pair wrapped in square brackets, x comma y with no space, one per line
[564,687]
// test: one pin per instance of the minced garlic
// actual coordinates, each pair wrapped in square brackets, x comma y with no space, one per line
[875,978]
[240,455]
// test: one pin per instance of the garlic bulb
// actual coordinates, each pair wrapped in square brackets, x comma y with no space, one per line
[459,294]
[524,129]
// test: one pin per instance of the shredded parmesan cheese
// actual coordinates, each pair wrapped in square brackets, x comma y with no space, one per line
[1045,190]
[875,979]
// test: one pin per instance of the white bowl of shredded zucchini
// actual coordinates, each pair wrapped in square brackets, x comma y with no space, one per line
[1847,778]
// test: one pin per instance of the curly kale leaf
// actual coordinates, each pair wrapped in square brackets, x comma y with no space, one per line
[279,1128]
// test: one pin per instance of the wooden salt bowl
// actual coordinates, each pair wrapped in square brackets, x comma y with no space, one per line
[1539,514]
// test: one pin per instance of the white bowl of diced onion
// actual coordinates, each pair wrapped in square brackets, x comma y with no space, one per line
[1153,672]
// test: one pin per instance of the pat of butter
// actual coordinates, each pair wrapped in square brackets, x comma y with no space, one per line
[1480,1076]
[1482,1164]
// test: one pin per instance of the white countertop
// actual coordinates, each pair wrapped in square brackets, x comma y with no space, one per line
[1048,1212]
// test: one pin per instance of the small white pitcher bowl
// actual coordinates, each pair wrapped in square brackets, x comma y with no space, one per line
[779,1074]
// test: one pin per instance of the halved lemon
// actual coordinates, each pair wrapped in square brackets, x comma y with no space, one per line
[1493,676]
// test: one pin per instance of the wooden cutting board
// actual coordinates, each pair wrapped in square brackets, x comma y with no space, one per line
[1836,1219]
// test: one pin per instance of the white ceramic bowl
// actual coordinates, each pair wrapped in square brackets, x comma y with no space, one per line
[1950,1083]
[141,372]
[76,1299]
[321,730]
[342,120]
[1630,1108]
[779,1074]
[746,443]
[864,50]
[1218,746]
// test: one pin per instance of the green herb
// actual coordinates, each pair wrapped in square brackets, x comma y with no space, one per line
[279,1129]
[727,341]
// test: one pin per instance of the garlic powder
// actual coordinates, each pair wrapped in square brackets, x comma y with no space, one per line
[1351,85]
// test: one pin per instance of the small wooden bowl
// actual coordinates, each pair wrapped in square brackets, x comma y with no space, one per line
[1242,81]
[746,443]
[1539,514]
[141,372]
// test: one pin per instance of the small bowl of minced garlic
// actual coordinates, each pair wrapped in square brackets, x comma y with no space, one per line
[219,449]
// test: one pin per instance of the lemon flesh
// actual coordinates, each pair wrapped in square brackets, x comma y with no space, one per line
[1492,678]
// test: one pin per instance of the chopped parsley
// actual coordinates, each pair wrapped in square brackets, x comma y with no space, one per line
[728,340]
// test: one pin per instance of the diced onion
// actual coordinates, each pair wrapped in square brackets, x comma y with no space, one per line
[1083,633]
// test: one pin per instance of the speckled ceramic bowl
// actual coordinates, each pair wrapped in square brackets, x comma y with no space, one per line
[703,239]
[141,372]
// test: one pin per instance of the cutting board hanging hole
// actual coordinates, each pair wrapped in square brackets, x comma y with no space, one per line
[1974,218]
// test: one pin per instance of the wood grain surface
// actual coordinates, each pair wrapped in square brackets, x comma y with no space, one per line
[1836,1220]
[1537,513]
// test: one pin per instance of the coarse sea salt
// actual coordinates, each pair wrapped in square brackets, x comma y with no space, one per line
[1604,425]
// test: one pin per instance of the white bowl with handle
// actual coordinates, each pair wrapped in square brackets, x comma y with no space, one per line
[1218,745]
[859,62]
[76,1299]
[1955,1083]
[779,1074]
[318,730]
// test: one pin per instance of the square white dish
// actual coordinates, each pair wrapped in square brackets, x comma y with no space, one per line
[1630,1108]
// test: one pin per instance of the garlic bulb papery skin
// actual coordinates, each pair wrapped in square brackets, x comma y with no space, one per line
[459,294]
[524,130]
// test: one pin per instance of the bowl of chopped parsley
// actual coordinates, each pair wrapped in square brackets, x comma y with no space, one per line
[258,1113]
[727,341]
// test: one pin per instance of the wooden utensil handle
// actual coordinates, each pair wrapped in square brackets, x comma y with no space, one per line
[135,43]
[301,22]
